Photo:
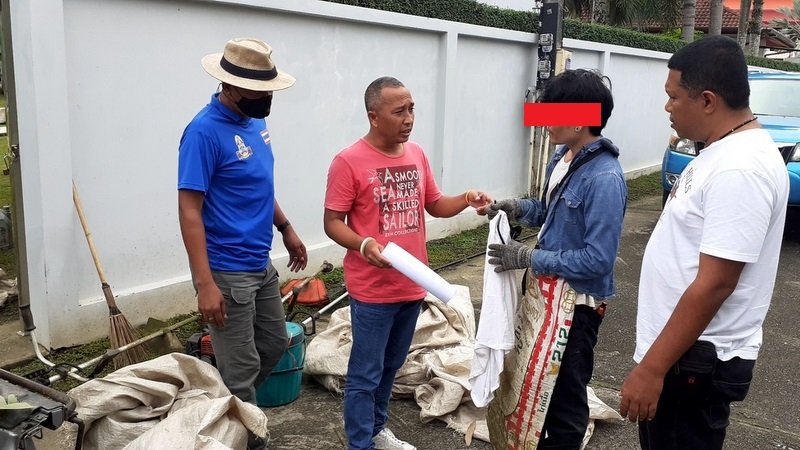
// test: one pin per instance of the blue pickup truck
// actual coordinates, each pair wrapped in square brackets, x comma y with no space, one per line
[774,100]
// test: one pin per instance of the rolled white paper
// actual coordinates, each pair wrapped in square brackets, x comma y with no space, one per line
[418,272]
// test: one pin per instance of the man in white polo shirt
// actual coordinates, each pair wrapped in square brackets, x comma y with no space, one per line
[709,268]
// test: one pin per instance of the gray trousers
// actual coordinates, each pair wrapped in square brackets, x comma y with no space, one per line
[254,337]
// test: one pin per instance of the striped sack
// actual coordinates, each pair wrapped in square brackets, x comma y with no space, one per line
[517,413]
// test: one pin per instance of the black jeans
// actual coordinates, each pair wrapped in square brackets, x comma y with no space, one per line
[568,414]
[694,406]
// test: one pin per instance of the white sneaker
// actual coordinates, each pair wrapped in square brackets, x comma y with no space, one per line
[386,440]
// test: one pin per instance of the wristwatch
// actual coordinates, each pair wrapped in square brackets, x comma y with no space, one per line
[282,227]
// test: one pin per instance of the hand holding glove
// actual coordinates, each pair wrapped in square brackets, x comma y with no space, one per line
[514,255]
[510,206]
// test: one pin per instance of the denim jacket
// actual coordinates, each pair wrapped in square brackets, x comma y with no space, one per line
[582,226]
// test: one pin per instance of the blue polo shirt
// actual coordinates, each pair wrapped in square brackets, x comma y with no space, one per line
[229,158]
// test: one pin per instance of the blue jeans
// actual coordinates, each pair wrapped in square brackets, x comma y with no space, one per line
[254,337]
[382,334]
[695,406]
[568,414]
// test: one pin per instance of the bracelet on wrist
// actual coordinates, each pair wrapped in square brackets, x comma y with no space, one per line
[364,243]
[466,196]
[282,227]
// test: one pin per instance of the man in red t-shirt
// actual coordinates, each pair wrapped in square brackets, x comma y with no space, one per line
[382,185]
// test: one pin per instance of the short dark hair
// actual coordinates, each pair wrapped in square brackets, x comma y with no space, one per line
[581,86]
[716,64]
[373,93]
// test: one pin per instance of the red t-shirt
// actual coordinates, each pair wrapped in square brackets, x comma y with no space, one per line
[384,197]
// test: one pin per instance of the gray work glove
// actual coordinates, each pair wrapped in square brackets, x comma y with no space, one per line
[514,255]
[510,206]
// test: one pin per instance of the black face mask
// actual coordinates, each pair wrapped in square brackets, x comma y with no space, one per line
[257,108]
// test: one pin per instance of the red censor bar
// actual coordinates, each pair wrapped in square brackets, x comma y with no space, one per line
[562,114]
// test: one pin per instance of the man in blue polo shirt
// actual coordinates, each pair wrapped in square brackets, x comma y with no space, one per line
[227,208]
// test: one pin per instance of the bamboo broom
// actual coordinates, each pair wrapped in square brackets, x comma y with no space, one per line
[120,331]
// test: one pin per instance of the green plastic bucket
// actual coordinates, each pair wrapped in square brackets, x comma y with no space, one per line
[283,384]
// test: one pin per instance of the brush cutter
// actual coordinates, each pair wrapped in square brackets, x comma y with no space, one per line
[199,345]
[295,290]
[312,317]
[310,291]
[78,372]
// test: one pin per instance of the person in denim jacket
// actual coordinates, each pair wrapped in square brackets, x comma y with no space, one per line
[580,216]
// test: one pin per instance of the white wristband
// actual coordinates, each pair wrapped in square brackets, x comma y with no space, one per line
[364,245]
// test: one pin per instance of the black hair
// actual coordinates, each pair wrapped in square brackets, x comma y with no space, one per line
[716,64]
[581,86]
[373,93]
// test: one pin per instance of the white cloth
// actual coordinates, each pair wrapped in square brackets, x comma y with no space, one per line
[496,327]
[172,402]
[730,202]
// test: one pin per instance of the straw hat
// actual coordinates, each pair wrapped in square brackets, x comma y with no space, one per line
[247,63]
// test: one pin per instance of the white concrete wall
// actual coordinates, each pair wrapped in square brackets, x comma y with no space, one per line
[638,125]
[105,89]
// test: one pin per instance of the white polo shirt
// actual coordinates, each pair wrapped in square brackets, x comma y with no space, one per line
[730,202]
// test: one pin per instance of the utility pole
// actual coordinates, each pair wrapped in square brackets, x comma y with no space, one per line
[551,25]
[550,39]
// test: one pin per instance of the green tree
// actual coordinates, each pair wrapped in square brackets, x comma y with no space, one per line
[687,20]
[754,30]
[744,14]
[600,11]
[789,25]
[715,21]
[630,13]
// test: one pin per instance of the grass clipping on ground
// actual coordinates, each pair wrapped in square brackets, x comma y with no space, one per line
[441,252]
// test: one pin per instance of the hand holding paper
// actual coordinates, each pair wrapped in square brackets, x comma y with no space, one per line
[418,272]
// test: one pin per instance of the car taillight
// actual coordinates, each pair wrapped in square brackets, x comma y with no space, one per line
[681,145]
